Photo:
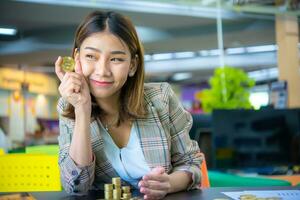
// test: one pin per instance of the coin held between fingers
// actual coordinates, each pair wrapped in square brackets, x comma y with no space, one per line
[68,64]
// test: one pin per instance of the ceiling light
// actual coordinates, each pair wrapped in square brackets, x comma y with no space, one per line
[264,74]
[188,54]
[181,76]
[204,52]
[235,50]
[263,48]
[162,56]
[214,52]
[8,31]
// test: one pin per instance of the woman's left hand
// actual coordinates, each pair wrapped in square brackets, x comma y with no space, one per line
[156,184]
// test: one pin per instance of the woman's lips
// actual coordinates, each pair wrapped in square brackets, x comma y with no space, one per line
[101,83]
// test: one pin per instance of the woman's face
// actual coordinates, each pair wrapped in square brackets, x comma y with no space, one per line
[106,62]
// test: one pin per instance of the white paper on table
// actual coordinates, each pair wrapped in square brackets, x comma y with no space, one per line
[283,194]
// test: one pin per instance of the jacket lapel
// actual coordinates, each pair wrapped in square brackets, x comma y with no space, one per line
[104,169]
[153,140]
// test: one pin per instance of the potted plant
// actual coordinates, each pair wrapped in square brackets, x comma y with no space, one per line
[229,90]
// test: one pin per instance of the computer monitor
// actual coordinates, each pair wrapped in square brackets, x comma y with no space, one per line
[256,138]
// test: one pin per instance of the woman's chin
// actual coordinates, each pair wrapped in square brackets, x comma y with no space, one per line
[102,94]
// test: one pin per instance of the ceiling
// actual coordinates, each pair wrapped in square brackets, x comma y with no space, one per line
[46,30]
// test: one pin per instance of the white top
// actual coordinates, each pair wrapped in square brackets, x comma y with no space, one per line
[129,162]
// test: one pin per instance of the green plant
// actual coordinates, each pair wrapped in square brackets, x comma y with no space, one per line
[229,90]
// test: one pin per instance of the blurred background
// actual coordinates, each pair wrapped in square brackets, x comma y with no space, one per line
[233,63]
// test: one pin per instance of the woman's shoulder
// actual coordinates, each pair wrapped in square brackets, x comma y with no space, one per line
[157,88]
[157,92]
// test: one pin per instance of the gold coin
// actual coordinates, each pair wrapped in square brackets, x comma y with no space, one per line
[247,197]
[116,180]
[116,196]
[108,196]
[127,195]
[68,64]
[126,189]
[108,187]
[117,191]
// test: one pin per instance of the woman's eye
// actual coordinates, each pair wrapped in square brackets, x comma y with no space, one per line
[117,59]
[90,56]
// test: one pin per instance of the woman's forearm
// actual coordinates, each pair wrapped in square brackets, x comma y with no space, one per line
[81,148]
[179,181]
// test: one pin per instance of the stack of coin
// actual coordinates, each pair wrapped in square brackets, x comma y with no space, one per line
[117,193]
[108,191]
[126,195]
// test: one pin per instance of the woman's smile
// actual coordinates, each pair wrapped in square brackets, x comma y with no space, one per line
[101,83]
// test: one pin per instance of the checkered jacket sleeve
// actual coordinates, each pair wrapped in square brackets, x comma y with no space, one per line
[185,153]
[74,179]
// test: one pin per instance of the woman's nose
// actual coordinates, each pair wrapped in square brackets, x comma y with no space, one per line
[102,68]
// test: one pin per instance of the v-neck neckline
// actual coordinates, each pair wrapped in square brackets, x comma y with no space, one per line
[113,142]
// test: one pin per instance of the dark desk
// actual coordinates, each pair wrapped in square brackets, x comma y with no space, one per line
[206,194]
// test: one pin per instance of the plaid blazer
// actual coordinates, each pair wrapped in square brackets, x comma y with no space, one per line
[164,139]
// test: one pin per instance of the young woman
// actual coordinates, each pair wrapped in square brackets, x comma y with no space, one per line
[112,124]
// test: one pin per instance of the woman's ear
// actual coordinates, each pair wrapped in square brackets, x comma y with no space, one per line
[76,53]
[133,66]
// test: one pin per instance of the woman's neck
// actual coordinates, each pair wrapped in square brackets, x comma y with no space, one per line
[109,105]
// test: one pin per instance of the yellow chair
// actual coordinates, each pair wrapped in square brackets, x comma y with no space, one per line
[2,152]
[29,173]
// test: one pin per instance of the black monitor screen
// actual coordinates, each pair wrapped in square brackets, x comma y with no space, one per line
[253,138]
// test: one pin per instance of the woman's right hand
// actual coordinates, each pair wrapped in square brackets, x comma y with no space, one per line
[73,86]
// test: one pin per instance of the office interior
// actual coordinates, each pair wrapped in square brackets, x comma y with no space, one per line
[251,138]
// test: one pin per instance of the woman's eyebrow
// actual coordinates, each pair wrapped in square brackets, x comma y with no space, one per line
[118,52]
[93,49]
[112,52]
